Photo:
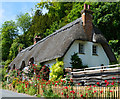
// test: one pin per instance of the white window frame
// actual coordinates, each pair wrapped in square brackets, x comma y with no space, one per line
[81,48]
[94,50]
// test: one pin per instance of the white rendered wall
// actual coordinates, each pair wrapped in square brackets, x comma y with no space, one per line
[87,58]
[50,63]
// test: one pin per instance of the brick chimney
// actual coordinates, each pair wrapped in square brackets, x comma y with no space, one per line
[36,39]
[87,21]
[20,49]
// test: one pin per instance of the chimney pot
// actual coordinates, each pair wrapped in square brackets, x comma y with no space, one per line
[85,6]
[88,6]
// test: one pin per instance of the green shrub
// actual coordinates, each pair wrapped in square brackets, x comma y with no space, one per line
[39,95]
[32,91]
[20,88]
[76,62]
[57,70]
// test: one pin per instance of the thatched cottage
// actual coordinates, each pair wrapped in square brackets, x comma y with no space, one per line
[79,36]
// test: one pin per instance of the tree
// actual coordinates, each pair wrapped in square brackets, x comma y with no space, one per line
[24,21]
[14,49]
[8,33]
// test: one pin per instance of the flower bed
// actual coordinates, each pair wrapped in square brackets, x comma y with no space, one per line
[65,88]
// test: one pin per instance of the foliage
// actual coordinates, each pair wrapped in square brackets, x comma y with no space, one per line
[57,70]
[67,91]
[32,91]
[8,33]
[115,47]
[24,21]
[76,62]
[44,72]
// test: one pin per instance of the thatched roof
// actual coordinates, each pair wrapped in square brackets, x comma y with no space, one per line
[57,44]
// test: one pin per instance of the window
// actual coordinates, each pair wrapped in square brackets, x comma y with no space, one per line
[81,48]
[94,50]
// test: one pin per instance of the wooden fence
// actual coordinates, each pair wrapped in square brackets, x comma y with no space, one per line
[98,92]
[92,75]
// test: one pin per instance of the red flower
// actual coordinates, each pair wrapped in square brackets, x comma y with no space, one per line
[72,91]
[64,81]
[105,81]
[61,80]
[107,84]
[113,77]
[95,91]
[38,79]
[78,83]
[71,80]
[33,64]
[94,86]
[112,83]
[101,91]
[89,89]
[56,81]
[66,87]
[86,93]
[26,85]
[62,93]
[98,83]
[55,84]
[67,96]
[81,95]
[110,90]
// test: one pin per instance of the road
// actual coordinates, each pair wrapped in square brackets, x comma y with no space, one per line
[7,94]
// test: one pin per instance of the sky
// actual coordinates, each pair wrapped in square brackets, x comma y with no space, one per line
[9,10]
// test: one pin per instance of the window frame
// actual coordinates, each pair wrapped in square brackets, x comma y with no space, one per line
[81,51]
[95,50]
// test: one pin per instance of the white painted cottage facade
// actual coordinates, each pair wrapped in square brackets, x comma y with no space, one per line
[88,58]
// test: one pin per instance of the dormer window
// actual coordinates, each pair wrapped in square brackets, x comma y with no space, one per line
[81,48]
[94,50]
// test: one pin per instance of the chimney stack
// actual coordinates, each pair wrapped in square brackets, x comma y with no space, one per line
[87,21]
[20,49]
[36,39]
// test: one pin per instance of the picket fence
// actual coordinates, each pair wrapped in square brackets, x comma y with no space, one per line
[79,90]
